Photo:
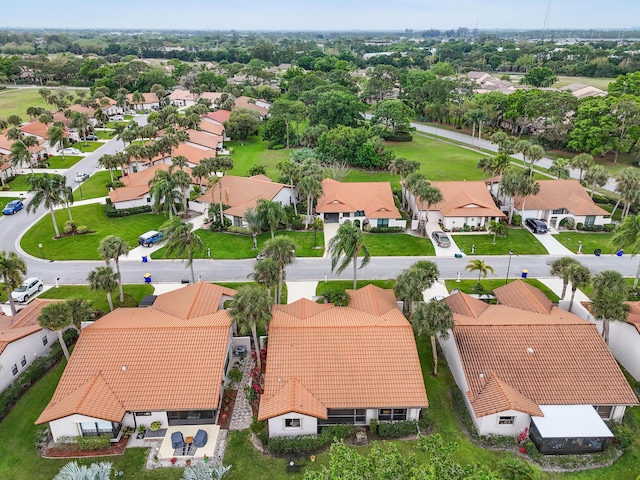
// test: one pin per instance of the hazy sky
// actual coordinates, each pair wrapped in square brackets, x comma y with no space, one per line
[318,14]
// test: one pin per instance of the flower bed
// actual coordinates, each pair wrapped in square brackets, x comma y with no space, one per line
[116,448]
[226,409]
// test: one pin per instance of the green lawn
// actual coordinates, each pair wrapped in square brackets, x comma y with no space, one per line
[63,163]
[105,134]
[348,285]
[88,146]
[520,240]
[113,124]
[94,187]
[590,241]
[98,298]
[19,183]
[398,245]
[489,285]
[234,246]
[254,152]
[16,102]
[85,247]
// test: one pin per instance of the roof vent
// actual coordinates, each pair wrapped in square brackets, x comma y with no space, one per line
[481,375]
[124,368]
[530,350]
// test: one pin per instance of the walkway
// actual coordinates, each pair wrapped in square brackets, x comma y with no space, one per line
[330,231]
[242,413]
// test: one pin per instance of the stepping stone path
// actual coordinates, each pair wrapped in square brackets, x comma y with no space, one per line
[242,412]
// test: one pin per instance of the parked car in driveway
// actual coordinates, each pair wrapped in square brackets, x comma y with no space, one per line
[71,151]
[536,226]
[12,207]
[116,118]
[91,137]
[441,239]
[29,288]
[81,177]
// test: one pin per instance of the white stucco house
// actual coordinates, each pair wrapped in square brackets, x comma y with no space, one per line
[149,101]
[331,365]
[182,98]
[527,363]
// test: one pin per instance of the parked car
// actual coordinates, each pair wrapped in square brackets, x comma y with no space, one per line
[12,207]
[81,177]
[116,118]
[261,256]
[536,226]
[441,239]
[71,151]
[91,137]
[150,238]
[29,288]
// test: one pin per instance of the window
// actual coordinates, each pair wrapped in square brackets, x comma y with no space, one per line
[96,429]
[392,414]
[506,420]
[590,220]
[237,221]
[359,213]
[14,369]
[604,411]
[148,199]
[383,222]
[143,414]
[45,340]
[23,361]
[339,416]
[292,423]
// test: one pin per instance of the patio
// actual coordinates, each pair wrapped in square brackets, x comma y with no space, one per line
[167,451]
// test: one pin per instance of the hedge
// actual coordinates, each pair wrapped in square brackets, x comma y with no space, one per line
[397,429]
[386,230]
[93,443]
[309,443]
[239,230]
[112,212]
[399,137]
[608,227]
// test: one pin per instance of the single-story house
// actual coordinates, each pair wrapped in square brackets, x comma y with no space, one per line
[111,108]
[243,193]
[37,151]
[557,200]
[463,203]
[526,363]
[212,96]
[193,154]
[204,139]
[22,340]
[213,127]
[149,101]
[134,366]
[362,203]
[260,106]
[580,90]
[333,365]
[182,98]
[219,116]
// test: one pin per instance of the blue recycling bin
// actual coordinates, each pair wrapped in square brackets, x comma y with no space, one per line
[145,259]
[619,253]
[525,272]
[147,278]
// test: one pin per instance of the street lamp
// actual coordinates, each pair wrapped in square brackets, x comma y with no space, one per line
[506,280]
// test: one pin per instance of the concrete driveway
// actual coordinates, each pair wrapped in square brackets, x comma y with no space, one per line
[330,231]
[553,246]
[442,251]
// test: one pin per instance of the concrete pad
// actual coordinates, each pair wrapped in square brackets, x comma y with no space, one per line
[160,288]
[298,290]
[330,231]
[166,450]
[553,246]
[437,289]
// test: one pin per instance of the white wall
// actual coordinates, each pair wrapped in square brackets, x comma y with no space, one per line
[161,417]
[285,196]
[624,343]
[69,426]
[308,425]
[30,347]
[489,425]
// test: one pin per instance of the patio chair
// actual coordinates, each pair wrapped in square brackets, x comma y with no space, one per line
[200,440]
[177,440]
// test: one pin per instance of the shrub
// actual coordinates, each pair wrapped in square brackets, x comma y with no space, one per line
[425,421]
[82,229]
[67,228]
[115,184]
[257,427]
[306,444]
[235,375]
[609,227]
[386,230]
[93,443]
[239,230]
[516,220]
[112,212]
[579,226]
[278,146]
[338,431]
[397,429]
[129,301]
[373,425]
[155,426]
[623,434]
[399,137]
[296,223]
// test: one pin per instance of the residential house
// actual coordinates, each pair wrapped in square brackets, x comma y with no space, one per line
[580,90]
[260,106]
[37,151]
[463,204]
[134,366]
[149,101]
[212,96]
[242,193]
[193,154]
[363,203]
[22,340]
[205,140]
[331,365]
[485,82]
[526,363]
[182,98]
[557,200]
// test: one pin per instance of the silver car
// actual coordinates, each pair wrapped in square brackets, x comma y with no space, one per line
[441,239]
[29,288]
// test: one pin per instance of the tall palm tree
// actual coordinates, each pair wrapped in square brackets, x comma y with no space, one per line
[283,251]
[610,292]
[536,153]
[105,279]
[559,268]
[479,266]
[272,214]
[56,317]
[182,241]
[410,283]
[433,318]
[430,195]
[56,135]
[596,176]
[291,173]
[496,228]
[46,191]
[182,180]
[110,162]
[560,168]
[346,247]
[251,308]
[311,187]
[164,192]
[255,224]
[110,248]
[80,310]
[579,276]
[66,193]
[627,186]
[221,165]
[582,162]
[267,273]
[20,154]
[12,269]
[627,236]
[81,122]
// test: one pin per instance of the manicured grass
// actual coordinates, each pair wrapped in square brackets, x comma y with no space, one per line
[397,244]
[5,200]
[348,285]
[16,102]
[94,187]
[113,124]
[254,152]
[88,146]
[490,285]
[105,134]
[520,240]
[590,241]
[234,246]
[98,298]
[85,247]
[19,183]
[67,162]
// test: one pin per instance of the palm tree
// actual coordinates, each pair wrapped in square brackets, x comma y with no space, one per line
[283,251]
[272,214]
[81,122]
[536,152]
[410,283]
[56,317]
[579,276]
[20,154]
[496,228]
[80,311]
[290,172]
[559,268]
[110,248]
[627,236]
[610,292]
[255,223]
[560,168]
[477,116]
[479,266]
[317,224]
[56,135]
[47,192]
[311,187]
[221,165]
[66,193]
[582,162]
[596,176]
[345,247]
[164,192]
[182,241]
[251,308]
[95,471]
[430,195]
[267,273]
[628,187]
[12,269]
[433,318]
[105,279]
[110,162]
[182,180]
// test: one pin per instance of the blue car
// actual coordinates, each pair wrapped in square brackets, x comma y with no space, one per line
[12,207]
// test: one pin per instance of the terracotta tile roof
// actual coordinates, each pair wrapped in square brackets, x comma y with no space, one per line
[372,299]
[465,199]
[344,358]
[59,117]
[303,308]
[80,109]
[244,102]
[5,144]
[374,198]
[182,95]
[213,96]
[219,116]
[22,324]
[194,301]
[519,294]
[294,397]
[205,139]
[466,305]
[141,359]
[211,127]
[558,194]
[496,396]
[36,128]
[195,154]
[136,185]
[148,98]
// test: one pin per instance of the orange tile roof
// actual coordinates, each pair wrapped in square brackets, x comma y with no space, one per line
[136,185]
[466,305]
[200,299]
[374,198]
[557,194]
[22,324]
[192,153]
[372,299]
[205,139]
[519,294]
[219,116]
[80,109]
[148,98]
[244,102]
[211,95]
[5,144]
[496,396]
[465,199]
[141,359]
[211,127]
[35,128]
[332,355]
[182,95]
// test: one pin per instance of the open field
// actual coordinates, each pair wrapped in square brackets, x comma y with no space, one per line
[254,152]
[16,101]
[94,187]
[68,161]
[564,80]
[19,183]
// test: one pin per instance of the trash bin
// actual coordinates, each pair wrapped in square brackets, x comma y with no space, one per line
[619,253]
[144,259]
[525,272]
[597,252]
[458,255]
[147,278]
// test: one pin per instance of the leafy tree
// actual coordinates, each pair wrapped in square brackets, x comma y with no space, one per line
[251,308]
[393,115]
[579,276]
[610,292]
[496,228]
[105,279]
[242,124]
[540,77]
[56,317]
[433,318]
[560,268]
[182,241]
[46,191]
[380,83]
[627,236]
[335,108]
[111,248]
[411,282]
[479,266]
[272,214]
[12,269]
[282,250]
[346,247]
[289,111]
